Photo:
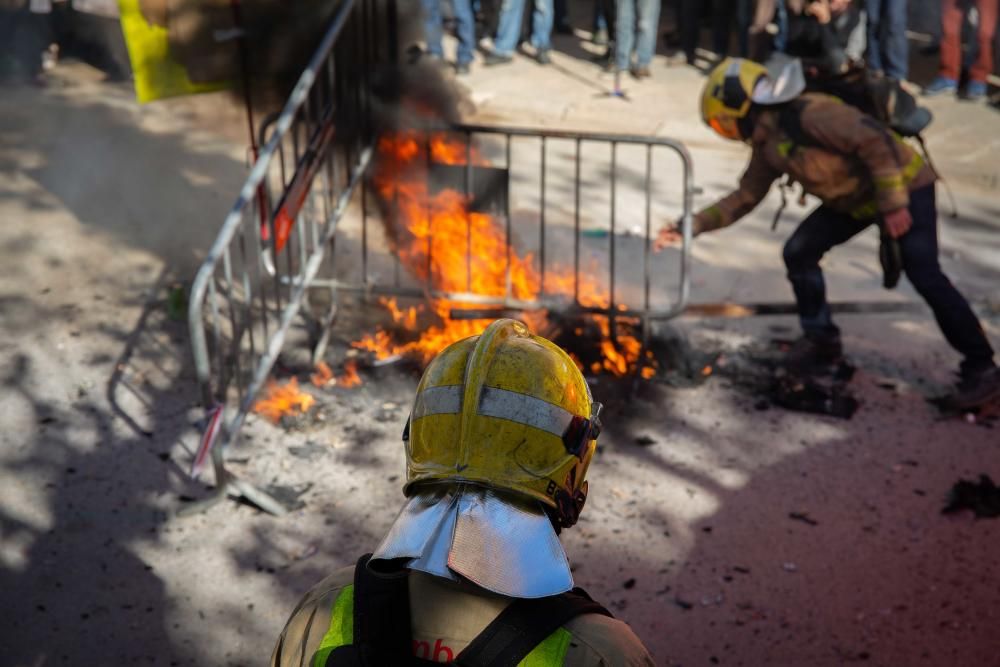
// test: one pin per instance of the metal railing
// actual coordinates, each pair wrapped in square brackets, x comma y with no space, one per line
[280,232]
[566,159]
[584,201]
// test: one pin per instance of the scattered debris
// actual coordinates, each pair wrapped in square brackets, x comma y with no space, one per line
[177,303]
[803,517]
[713,600]
[310,451]
[289,496]
[644,441]
[683,604]
[982,498]
[762,372]
[629,584]
[789,567]
[807,394]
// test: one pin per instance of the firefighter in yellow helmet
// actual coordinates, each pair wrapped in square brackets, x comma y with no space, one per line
[499,439]
[864,174]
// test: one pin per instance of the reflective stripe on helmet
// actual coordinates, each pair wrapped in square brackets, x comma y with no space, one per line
[444,400]
[500,403]
[524,409]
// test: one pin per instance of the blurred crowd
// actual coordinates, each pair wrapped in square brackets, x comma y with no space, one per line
[830,36]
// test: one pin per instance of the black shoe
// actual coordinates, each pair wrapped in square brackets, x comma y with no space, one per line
[810,354]
[543,57]
[461,68]
[641,72]
[492,59]
[975,389]
[564,29]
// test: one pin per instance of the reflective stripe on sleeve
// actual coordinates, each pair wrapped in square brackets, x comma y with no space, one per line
[341,630]
[551,652]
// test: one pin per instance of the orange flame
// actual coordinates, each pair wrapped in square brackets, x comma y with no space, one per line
[279,400]
[350,378]
[322,375]
[466,251]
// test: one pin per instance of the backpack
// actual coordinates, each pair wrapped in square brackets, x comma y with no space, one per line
[382,625]
[878,96]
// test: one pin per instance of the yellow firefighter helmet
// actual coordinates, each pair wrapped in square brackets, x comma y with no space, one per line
[506,410]
[727,96]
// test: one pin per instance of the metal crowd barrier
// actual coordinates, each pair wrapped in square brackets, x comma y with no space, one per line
[277,237]
[581,154]
[280,240]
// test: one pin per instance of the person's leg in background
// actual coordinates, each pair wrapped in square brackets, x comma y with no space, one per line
[599,26]
[432,27]
[822,229]
[689,25]
[759,41]
[960,326]
[952,15]
[561,21]
[489,11]
[541,30]
[646,30]
[983,65]
[873,8]
[744,19]
[781,18]
[508,32]
[466,31]
[722,19]
[896,49]
[624,34]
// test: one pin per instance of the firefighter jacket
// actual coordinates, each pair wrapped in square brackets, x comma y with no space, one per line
[445,618]
[847,159]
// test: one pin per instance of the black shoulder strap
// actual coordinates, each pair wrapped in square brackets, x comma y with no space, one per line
[382,634]
[522,626]
[790,122]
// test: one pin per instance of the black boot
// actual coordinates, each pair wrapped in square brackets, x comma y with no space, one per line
[976,388]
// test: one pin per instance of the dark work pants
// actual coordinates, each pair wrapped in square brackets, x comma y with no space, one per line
[825,228]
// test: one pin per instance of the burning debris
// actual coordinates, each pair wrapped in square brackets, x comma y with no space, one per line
[323,375]
[283,400]
[458,244]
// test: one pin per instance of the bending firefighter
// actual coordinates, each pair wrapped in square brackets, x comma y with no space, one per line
[864,174]
[501,434]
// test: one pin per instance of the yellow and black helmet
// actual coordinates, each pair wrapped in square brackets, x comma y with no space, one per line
[727,96]
[507,410]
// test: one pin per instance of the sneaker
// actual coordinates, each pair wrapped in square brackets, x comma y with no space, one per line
[543,57]
[492,59]
[940,86]
[975,389]
[641,72]
[809,354]
[461,68]
[600,37]
[976,91]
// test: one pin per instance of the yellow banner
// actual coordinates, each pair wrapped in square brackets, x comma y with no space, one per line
[157,74]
